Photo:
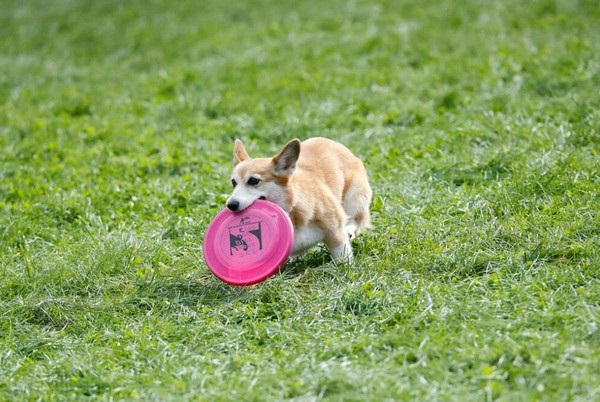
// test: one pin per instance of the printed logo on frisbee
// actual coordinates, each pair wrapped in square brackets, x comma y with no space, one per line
[245,239]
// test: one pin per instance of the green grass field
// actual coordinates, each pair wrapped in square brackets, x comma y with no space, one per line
[479,123]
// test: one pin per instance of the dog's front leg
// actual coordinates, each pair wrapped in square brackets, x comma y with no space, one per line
[339,247]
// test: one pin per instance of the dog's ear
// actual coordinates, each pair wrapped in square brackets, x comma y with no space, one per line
[239,152]
[285,162]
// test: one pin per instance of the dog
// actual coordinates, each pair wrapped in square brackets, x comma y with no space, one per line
[319,183]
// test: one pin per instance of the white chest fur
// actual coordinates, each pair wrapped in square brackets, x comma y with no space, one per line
[306,237]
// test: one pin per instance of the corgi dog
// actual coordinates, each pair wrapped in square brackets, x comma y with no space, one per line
[319,183]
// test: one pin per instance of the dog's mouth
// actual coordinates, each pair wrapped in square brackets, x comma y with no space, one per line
[262,197]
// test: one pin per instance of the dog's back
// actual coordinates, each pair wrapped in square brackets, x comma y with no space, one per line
[340,173]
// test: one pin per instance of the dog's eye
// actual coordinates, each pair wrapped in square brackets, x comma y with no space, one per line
[253,181]
[233,182]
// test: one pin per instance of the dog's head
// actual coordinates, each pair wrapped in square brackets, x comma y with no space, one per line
[261,178]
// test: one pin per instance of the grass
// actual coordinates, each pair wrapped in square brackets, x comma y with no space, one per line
[480,127]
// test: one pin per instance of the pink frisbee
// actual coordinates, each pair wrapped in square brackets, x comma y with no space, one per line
[247,247]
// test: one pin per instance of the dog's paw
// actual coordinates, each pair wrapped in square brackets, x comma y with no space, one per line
[351,229]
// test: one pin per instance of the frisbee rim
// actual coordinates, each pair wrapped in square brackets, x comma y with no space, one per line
[258,271]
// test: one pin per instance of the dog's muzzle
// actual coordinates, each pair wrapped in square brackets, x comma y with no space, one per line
[233,205]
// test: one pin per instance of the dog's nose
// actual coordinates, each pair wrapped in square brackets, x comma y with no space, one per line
[233,205]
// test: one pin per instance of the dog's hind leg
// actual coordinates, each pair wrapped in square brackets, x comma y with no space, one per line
[356,205]
[336,237]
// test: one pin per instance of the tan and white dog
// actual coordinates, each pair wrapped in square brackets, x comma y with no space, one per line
[319,183]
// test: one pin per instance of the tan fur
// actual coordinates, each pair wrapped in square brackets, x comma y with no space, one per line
[322,186]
